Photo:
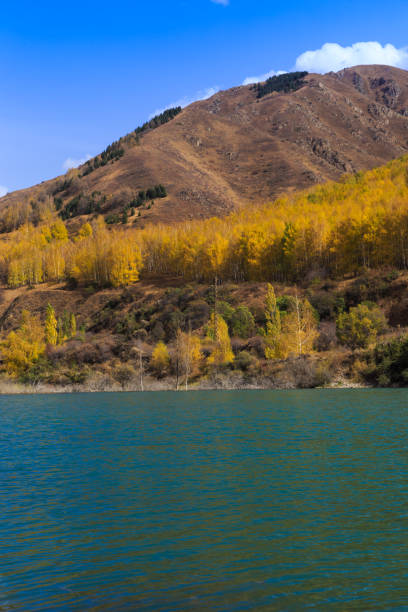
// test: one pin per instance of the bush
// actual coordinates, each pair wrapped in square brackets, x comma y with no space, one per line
[242,322]
[323,303]
[197,313]
[226,311]
[258,345]
[285,303]
[326,339]
[123,374]
[244,360]
[113,218]
[157,331]
[399,313]
[359,327]
[307,374]
[390,364]
[160,360]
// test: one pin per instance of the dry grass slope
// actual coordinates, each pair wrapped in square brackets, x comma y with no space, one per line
[234,149]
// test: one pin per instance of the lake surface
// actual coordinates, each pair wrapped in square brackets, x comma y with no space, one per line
[253,500]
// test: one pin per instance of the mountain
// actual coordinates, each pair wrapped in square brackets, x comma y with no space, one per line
[240,147]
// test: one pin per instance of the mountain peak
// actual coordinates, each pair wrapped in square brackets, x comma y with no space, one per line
[237,148]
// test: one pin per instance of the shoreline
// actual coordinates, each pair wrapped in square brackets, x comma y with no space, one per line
[15,388]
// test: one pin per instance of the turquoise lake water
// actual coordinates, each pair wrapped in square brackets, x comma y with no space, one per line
[253,500]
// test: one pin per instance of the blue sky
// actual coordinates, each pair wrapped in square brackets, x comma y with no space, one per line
[75,76]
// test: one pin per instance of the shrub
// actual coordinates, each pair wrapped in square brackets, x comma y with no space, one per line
[307,374]
[398,314]
[285,303]
[258,345]
[226,311]
[24,347]
[244,360]
[124,373]
[197,313]
[323,303]
[390,363]
[327,336]
[359,327]
[160,360]
[111,219]
[158,332]
[242,322]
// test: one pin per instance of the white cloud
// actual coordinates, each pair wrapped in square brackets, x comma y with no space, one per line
[3,191]
[262,77]
[334,57]
[223,2]
[74,163]
[203,94]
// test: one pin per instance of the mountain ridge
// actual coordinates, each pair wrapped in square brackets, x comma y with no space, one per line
[234,149]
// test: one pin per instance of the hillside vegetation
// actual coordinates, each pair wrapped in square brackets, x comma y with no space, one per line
[333,230]
[307,290]
[291,81]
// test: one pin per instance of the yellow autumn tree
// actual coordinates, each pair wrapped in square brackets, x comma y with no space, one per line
[59,231]
[125,262]
[188,354]
[217,331]
[16,274]
[339,228]
[23,347]
[72,325]
[299,328]
[85,230]
[106,258]
[51,333]
[54,262]
[160,359]
[273,325]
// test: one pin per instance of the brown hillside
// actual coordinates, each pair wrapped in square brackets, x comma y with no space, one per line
[234,149]
[114,324]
